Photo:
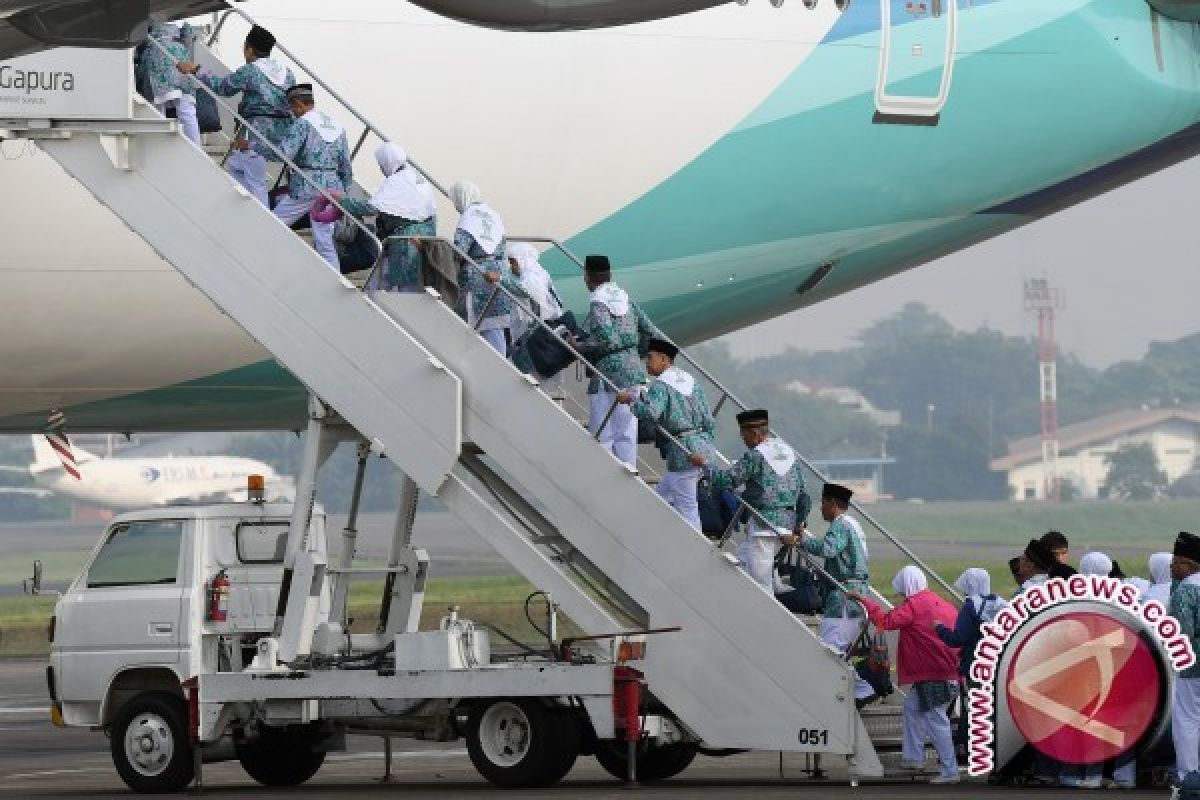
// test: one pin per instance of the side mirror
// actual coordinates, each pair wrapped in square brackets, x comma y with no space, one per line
[33,585]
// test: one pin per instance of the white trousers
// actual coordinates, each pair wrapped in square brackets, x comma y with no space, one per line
[840,635]
[290,209]
[619,436]
[679,490]
[185,112]
[756,555]
[921,726]
[1185,725]
[249,169]
[495,338]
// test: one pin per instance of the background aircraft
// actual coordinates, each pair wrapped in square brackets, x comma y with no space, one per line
[133,482]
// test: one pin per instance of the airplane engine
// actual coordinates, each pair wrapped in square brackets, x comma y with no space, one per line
[561,15]
[1185,10]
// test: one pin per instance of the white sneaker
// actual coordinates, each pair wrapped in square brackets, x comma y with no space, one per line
[938,780]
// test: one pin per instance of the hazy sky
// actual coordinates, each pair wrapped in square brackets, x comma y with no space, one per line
[1129,262]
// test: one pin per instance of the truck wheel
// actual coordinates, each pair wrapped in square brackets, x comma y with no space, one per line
[279,758]
[522,743]
[150,745]
[653,764]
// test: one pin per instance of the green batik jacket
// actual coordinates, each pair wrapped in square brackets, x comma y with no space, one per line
[402,268]
[844,549]
[325,163]
[612,343]
[1185,607]
[772,494]
[264,105]
[686,417]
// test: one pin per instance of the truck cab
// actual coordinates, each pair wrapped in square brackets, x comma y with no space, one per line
[143,615]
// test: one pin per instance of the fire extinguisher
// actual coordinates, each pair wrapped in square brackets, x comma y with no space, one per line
[218,598]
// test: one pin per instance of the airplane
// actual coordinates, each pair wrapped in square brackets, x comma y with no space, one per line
[133,483]
[736,161]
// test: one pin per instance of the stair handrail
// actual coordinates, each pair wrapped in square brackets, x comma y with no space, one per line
[517,301]
[726,394]
[333,200]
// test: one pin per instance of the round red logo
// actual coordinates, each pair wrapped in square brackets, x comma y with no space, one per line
[1083,687]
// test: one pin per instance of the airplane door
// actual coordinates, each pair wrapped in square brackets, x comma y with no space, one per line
[916,59]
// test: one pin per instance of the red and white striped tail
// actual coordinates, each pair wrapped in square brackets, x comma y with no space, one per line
[56,435]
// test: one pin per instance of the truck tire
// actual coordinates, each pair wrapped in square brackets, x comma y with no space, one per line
[521,743]
[150,745]
[653,764]
[279,758]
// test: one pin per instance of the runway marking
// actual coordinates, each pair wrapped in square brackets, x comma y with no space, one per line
[397,755]
[49,772]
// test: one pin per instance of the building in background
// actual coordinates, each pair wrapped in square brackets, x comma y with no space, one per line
[850,399]
[1083,447]
[864,475]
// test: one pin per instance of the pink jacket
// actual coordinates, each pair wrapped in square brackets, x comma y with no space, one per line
[921,655]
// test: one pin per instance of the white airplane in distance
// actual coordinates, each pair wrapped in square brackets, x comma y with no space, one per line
[128,483]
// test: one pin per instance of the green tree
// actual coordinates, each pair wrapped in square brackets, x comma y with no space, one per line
[1133,473]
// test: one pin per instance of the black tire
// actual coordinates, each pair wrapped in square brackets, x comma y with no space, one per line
[279,758]
[653,764]
[521,743]
[150,745]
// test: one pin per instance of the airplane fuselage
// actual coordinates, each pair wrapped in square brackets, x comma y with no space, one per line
[731,163]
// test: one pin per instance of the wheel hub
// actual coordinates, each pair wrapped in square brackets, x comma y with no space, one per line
[149,744]
[504,734]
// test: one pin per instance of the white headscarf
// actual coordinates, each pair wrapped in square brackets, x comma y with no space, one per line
[1160,568]
[1095,564]
[975,582]
[478,219]
[404,191]
[535,279]
[909,581]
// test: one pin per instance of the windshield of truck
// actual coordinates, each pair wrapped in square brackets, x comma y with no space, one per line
[138,554]
[262,542]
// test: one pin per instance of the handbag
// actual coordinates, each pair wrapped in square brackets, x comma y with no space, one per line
[805,596]
[208,115]
[541,350]
[873,662]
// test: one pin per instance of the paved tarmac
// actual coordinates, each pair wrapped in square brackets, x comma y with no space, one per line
[38,760]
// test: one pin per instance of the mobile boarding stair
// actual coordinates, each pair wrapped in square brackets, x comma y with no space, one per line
[403,374]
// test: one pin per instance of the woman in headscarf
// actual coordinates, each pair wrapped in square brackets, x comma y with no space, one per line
[523,260]
[480,234]
[1160,579]
[1095,564]
[980,606]
[403,205]
[168,88]
[927,664]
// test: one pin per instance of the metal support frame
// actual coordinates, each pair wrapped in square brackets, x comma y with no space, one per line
[404,588]
[349,540]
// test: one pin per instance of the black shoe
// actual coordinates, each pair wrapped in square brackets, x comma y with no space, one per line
[859,702]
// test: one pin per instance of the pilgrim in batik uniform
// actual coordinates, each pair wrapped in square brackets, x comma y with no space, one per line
[1185,607]
[674,402]
[610,338]
[404,205]
[168,88]
[480,234]
[263,83]
[770,473]
[844,550]
[316,144]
